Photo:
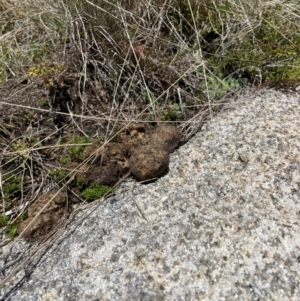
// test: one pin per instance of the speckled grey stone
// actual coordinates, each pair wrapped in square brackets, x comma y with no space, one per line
[223,224]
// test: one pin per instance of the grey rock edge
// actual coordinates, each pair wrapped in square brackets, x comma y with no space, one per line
[223,224]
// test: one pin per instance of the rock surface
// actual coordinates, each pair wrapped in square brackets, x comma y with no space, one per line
[223,224]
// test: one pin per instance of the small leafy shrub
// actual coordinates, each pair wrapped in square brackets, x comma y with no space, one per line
[96,191]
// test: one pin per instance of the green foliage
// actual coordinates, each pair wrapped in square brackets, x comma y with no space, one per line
[149,97]
[13,230]
[46,70]
[96,191]
[63,159]
[59,174]
[76,151]
[216,86]
[168,115]
[38,52]
[24,215]
[26,116]
[43,102]
[10,228]
[3,220]
[173,112]
[78,183]
[12,184]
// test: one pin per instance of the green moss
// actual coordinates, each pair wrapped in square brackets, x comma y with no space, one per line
[13,230]
[12,185]
[96,191]
[64,159]
[78,183]
[59,174]
[76,151]
[3,220]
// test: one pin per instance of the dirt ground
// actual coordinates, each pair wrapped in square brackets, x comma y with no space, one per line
[36,129]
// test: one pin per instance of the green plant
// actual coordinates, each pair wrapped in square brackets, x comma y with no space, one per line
[24,215]
[78,182]
[96,191]
[58,174]
[3,220]
[12,185]
[43,102]
[47,71]
[63,159]
[216,85]
[173,112]
[10,228]
[27,116]
[13,230]
[76,151]
[169,115]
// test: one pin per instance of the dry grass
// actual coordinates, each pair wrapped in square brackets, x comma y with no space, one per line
[128,61]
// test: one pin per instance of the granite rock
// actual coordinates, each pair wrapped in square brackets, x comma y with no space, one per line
[223,224]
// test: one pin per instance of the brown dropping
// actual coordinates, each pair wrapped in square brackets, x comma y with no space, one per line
[148,163]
